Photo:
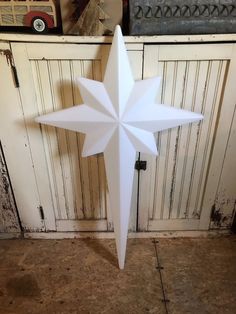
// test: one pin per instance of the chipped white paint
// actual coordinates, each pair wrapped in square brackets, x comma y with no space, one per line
[224,207]
[8,213]
[128,39]
[111,235]
[15,142]
[174,185]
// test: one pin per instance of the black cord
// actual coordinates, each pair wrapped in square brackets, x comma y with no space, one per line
[138,184]
[165,300]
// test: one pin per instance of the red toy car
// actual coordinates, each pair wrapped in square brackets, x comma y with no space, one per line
[37,14]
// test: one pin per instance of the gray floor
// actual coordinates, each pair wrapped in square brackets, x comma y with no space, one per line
[81,276]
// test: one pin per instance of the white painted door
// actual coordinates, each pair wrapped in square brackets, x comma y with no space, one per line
[15,143]
[178,189]
[72,191]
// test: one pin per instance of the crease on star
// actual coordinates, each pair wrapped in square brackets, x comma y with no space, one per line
[155,118]
[118,79]
[144,92]
[95,96]
[142,141]
[97,140]
[142,110]
[79,118]
[120,158]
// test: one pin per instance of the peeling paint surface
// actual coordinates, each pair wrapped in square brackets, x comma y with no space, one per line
[8,212]
[224,207]
[222,214]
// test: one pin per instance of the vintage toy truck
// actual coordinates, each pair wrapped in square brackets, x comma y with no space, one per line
[37,14]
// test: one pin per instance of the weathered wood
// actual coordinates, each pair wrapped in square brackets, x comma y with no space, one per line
[173,187]
[16,147]
[90,22]
[82,225]
[91,17]
[224,205]
[8,213]
[218,38]
[67,8]
[111,235]
[220,186]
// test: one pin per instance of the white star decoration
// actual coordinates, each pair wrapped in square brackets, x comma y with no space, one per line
[119,117]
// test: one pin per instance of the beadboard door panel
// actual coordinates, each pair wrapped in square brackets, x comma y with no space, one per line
[15,143]
[177,190]
[72,190]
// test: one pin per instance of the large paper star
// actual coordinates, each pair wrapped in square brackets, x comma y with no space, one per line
[119,117]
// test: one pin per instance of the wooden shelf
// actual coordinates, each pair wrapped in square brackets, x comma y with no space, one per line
[108,39]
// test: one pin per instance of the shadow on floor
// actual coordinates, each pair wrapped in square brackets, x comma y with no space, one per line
[97,247]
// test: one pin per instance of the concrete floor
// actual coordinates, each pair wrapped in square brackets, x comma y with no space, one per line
[81,276]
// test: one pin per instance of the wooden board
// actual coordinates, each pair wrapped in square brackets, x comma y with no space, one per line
[224,205]
[173,187]
[15,143]
[172,39]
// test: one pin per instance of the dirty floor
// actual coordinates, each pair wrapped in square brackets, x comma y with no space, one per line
[81,276]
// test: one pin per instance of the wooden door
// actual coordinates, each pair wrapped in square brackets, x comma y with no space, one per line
[177,191]
[72,191]
[15,143]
